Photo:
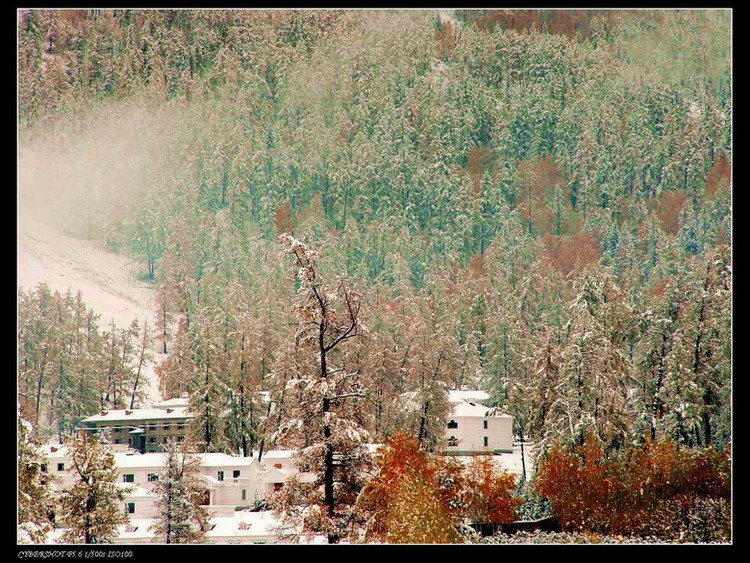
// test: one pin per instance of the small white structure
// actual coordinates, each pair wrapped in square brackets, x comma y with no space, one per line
[474,428]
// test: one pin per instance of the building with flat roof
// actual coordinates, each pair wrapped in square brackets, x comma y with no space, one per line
[474,428]
[145,430]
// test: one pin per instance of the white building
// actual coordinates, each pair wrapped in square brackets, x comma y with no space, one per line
[474,428]
[231,482]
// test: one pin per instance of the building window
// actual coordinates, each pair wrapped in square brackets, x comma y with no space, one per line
[180,426]
[236,473]
[453,424]
[128,478]
[152,427]
[152,477]
[244,494]
[277,486]
[117,440]
[452,442]
[44,468]
[61,467]
[152,439]
[485,425]
[180,438]
[131,508]
[167,427]
[165,439]
[485,441]
[220,475]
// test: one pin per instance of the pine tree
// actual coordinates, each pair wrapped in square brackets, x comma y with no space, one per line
[34,496]
[92,507]
[181,518]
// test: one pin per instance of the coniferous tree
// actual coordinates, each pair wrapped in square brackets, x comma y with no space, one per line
[181,516]
[34,496]
[92,508]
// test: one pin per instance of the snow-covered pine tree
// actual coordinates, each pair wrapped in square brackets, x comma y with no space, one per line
[92,508]
[209,391]
[34,498]
[324,422]
[181,518]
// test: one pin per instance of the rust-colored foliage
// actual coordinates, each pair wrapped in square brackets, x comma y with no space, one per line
[282,219]
[564,22]
[419,498]
[568,253]
[445,40]
[578,486]
[476,266]
[622,493]
[401,464]
[479,161]
[657,290]
[489,496]
[719,177]
[535,178]
[669,211]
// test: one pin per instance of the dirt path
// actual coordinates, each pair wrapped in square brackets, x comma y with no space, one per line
[108,282]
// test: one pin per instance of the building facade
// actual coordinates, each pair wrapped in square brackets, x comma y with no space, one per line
[145,430]
[473,428]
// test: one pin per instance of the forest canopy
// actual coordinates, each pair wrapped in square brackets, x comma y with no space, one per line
[537,203]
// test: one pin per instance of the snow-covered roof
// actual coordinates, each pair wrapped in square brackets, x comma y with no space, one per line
[224,460]
[474,395]
[274,475]
[136,529]
[470,408]
[135,492]
[242,524]
[140,461]
[54,450]
[141,415]
[172,403]
[278,454]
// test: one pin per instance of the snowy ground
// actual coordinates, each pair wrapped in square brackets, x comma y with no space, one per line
[512,461]
[108,282]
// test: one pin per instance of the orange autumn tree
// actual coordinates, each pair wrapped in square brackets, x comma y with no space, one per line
[402,501]
[633,490]
[419,498]
[488,495]
[576,482]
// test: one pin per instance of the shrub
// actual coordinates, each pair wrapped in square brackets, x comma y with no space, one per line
[676,493]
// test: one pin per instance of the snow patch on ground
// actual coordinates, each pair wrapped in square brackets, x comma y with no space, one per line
[108,282]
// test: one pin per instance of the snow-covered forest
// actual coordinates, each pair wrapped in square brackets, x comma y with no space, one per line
[357,211]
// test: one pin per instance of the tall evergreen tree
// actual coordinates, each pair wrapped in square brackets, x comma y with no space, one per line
[181,517]
[92,508]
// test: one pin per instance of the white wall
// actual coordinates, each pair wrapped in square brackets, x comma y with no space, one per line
[471,432]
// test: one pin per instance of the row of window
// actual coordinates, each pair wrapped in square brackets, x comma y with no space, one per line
[453,442]
[60,467]
[165,439]
[454,424]
[166,427]
[235,474]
